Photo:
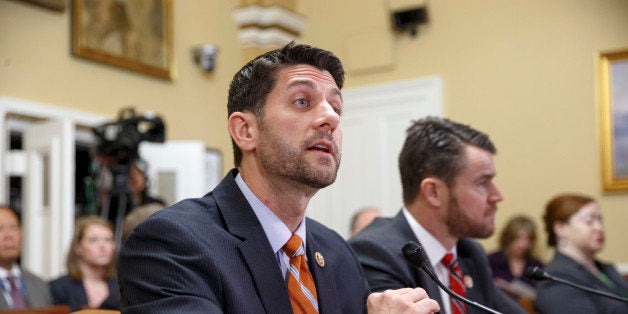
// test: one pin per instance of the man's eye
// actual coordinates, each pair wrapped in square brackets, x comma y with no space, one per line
[301,103]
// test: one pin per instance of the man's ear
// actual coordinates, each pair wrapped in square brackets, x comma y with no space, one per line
[433,190]
[243,130]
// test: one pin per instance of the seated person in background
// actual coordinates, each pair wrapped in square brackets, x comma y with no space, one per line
[575,227]
[91,262]
[138,184]
[136,195]
[21,289]
[516,247]
[449,197]
[362,218]
[138,215]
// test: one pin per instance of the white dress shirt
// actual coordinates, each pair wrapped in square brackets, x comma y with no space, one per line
[435,252]
[6,286]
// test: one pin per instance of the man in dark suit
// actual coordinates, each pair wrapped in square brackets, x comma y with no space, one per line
[27,290]
[227,251]
[449,196]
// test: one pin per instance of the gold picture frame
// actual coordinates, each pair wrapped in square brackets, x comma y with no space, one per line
[57,5]
[132,34]
[613,72]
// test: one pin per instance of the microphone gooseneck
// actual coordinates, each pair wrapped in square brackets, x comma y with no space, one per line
[415,254]
[537,273]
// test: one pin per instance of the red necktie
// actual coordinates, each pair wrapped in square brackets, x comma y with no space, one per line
[456,284]
[301,286]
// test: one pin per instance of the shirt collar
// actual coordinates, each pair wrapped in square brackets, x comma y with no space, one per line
[435,250]
[276,231]
[15,272]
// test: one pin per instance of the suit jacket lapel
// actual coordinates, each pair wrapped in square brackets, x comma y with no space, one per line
[467,264]
[3,303]
[323,276]
[424,281]
[266,274]
[432,289]
[241,221]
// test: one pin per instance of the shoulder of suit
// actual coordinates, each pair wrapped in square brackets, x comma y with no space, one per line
[26,273]
[317,227]
[62,280]
[187,207]
[470,248]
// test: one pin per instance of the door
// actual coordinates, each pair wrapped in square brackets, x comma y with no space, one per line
[48,196]
[181,169]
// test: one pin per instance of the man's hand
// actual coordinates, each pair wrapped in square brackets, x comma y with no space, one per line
[406,300]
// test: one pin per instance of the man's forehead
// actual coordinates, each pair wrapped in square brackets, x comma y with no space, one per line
[479,161]
[9,211]
[304,71]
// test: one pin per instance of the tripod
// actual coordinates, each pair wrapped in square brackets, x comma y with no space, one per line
[118,198]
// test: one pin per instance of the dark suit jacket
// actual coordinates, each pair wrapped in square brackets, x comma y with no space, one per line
[378,248]
[555,297]
[37,293]
[68,291]
[211,255]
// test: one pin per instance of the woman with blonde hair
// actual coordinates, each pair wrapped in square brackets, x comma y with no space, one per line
[515,254]
[91,263]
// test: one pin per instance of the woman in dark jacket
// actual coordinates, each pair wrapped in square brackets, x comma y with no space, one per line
[575,227]
[515,254]
[91,281]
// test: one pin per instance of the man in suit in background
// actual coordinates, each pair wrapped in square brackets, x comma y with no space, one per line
[449,196]
[239,249]
[21,289]
[362,218]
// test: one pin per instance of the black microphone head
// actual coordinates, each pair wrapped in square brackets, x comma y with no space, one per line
[415,254]
[535,272]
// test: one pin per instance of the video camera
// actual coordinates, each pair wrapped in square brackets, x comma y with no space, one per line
[118,144]
[120,139]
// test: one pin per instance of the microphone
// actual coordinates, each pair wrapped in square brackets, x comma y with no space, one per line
[537,273]
[415,254]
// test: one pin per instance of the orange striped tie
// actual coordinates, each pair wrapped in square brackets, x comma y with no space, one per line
[301,286]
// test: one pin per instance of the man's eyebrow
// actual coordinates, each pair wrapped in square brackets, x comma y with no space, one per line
[310,84]
[301,82]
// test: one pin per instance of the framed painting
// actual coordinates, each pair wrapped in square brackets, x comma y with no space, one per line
[132,34]
[613,71]
[57,5]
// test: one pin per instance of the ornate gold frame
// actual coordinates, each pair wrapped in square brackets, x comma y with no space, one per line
[106,33]
[614,178]
[57,5]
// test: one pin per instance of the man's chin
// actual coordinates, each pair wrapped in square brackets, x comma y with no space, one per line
[10,256]
[320,183]
[488,232]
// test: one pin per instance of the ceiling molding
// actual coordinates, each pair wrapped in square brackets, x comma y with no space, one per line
[264,37]
[274,16]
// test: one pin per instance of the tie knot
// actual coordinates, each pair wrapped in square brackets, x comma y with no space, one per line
[294,246]
[11,280]
[448,259]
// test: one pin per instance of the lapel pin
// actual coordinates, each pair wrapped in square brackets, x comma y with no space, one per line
[468,281]
[320,260]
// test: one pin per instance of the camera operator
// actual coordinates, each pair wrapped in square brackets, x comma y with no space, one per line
[122,174]
[138,185]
